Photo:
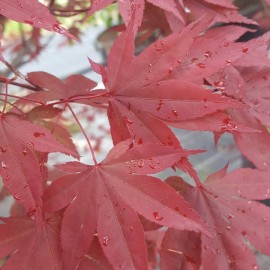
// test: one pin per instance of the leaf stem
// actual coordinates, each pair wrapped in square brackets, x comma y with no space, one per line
[84,134]
[5,100]
[5,80]
[23,98]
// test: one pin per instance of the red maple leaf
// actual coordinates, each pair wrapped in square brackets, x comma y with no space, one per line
[29,244]
[105,198]
[18,164]
[228,204]
[31,12]
[72,88]
[126,8]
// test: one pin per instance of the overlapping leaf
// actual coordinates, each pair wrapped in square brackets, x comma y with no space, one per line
[55,89]
[227,203]
[128,7]
[106,197]
[31,12]
[30,245]
[19,166]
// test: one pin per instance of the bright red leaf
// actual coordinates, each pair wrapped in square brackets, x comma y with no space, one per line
[31,12]
[227,203]
[116,188]
[30,245]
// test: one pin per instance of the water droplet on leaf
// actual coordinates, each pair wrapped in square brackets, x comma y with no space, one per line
[207,54]
[140,163]
[175,113]
[32,211]
[201,65]
[16,197]
[105,241]
[160,104]
[39,134]
[155,214]
[128,121]
[4,165]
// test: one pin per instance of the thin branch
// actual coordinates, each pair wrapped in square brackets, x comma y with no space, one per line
[84,134]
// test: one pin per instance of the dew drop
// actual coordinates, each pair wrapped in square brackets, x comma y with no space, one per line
[152,165]
[179,61]
[140,163]
[160,104]
[39,134]
[20,6]
[230,216]
[128,121]
[245,50]
[24,152]
[140,141]
[155,214]
[7,178]
[150,65]
[201,65]
[255,267]
[4,165]
[228,228]
[32,211]
[158,83]
[16,197]
[214,196]
[207,54]
[25,186]
[131,228]
[226,44]
[158,49]
[171,70]
[30,144]
[206,247]
[57,28]
[218,251]
[228,62]
[105,241]
[175,113]
[264,219]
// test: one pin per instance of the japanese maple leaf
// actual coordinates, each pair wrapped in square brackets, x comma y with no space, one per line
[213,49]
[19,167]
[139,101]
[30,245]
[223,11]
[73,86]
[228,204]
[105,198]
[38,115]
[31,12]
[127,7]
